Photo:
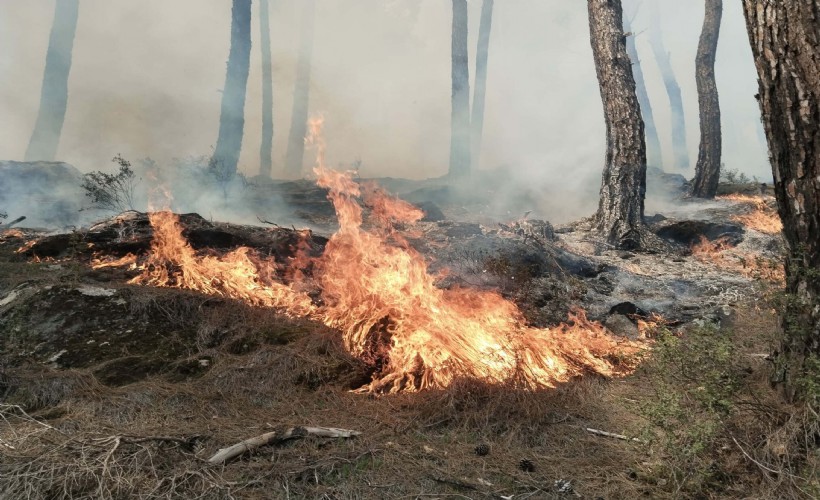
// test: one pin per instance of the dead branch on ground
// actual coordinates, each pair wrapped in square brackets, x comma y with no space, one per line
[278,436]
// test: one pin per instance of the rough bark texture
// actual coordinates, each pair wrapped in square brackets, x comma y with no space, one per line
[653,143]
[679,149]
[265,151]
[785,39]
[460,113]
[232,116]
[301,94]
[620,212]
[54,95]
[480,91]
[707,170]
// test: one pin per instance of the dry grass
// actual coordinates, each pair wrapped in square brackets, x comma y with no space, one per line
[65,435]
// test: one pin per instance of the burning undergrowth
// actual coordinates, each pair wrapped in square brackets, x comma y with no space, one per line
[376,289]
[759,213]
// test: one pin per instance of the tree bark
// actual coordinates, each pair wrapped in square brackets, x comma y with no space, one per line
[301,93]
[480,91]
[265,150]
[232,116]
[653,143]
[707,169]
[460,112]
[785,39]
[54,95]
[623,186]
[679,149]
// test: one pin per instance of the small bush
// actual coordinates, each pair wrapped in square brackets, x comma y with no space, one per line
[112,191]
[695,382]
[734,176]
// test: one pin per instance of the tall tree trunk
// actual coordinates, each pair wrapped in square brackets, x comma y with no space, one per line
[785,39]
[460,112]
[54,95]
[480,91]
[232,117]
[301,93]
[265,150]
[620,212]
[679,149]
[653,143]
[707,170]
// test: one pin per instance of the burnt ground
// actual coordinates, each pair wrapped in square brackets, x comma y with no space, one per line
[112,390]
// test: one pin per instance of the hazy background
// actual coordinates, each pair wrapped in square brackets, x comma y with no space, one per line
[146,80]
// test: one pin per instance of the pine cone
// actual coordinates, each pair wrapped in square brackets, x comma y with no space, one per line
[526,465]
[482,450]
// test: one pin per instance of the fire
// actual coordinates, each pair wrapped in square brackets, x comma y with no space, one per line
[103,262]
[240,274]
[376,290]
[721,253]
[761,217]
[11,233]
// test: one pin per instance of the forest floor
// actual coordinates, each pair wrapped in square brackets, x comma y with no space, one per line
[112,390]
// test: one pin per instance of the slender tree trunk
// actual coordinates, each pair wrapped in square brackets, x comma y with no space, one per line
[232,117]
[653,143]
[707,170]
[460,113]
[679,149]
[301,93]
[265,151]
[54,95]
[620,212]
[480,91]
[785,39]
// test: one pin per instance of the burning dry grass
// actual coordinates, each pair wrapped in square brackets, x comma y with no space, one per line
[377,291]
[150,439]
[726,256]
[760,215]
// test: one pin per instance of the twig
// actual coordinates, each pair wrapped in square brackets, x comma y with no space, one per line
[264,221]
[613,435]
[454,482]
[755,461]
[225,454]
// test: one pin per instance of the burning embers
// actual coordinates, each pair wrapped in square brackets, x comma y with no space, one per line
[376,290]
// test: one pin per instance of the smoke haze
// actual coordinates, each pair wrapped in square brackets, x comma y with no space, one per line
[146,81]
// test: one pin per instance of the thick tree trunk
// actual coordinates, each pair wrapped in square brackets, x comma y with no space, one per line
[265,151]
[620,212]
[785,39]
[653,143]
[679,149]
[707,170]
[301,93]
[460,112]
[232,117]
[54,95]
[480,91]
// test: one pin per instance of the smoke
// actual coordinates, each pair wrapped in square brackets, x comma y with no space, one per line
[147,76]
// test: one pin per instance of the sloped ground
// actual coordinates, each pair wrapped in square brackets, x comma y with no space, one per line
[113,390]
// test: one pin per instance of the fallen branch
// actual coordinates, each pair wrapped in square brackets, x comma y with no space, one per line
[613,435]
[15,221]
[278,436]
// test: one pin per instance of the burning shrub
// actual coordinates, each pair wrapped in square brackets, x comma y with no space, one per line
[113,192]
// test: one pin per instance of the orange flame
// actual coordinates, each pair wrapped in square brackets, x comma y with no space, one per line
[761,217]
[726,256]
[103,262]
[376,290]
